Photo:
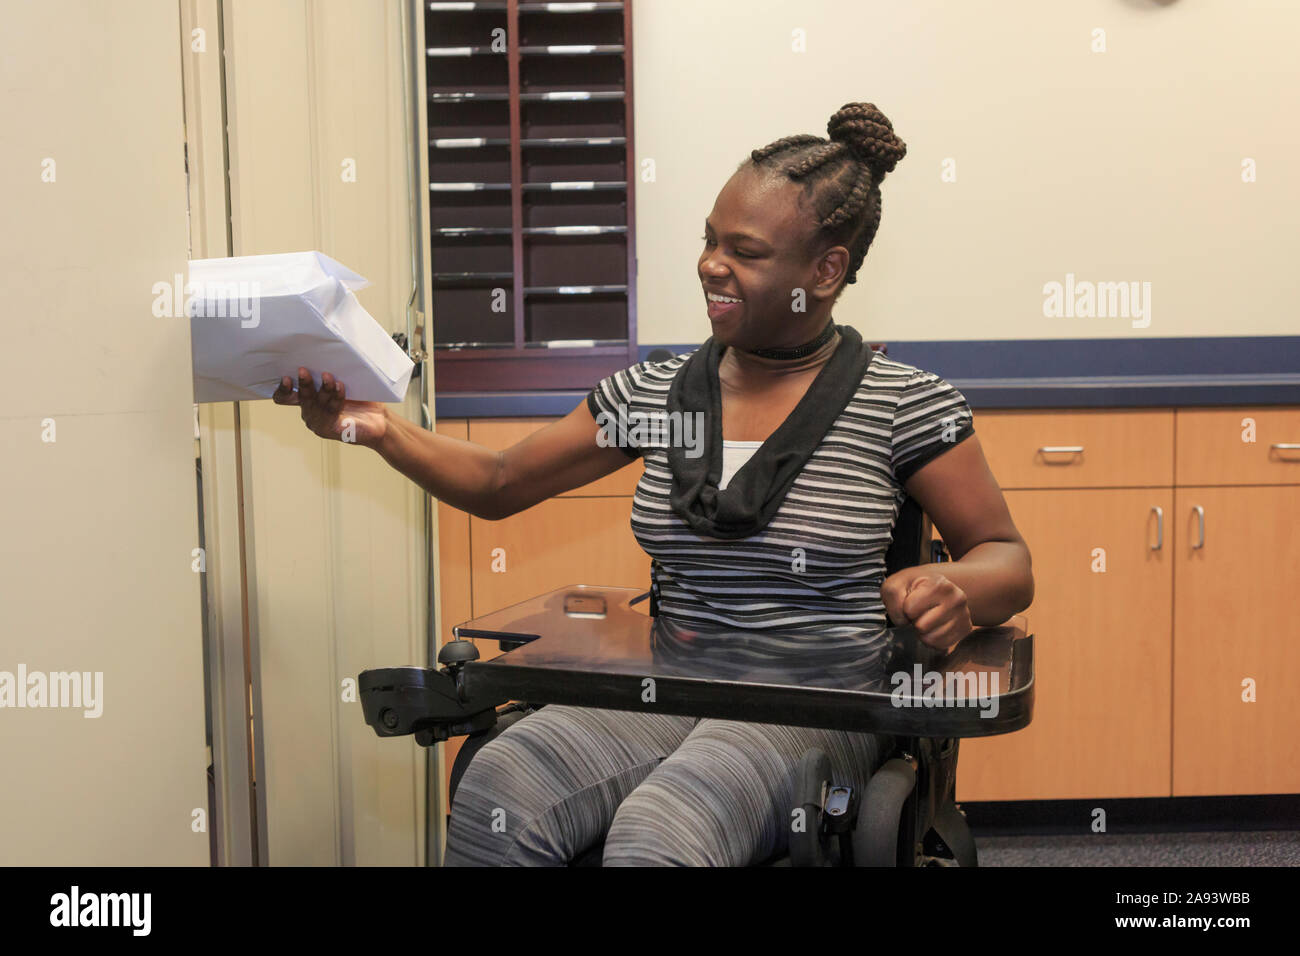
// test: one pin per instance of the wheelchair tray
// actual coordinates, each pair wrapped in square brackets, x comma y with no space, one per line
[590,647]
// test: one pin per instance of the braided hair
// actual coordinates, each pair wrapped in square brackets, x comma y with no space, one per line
[841,175]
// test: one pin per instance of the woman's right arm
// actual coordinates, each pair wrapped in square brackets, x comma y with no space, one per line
[488,484]
[496,484]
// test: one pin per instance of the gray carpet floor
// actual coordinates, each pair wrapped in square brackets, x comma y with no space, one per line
[1239,848]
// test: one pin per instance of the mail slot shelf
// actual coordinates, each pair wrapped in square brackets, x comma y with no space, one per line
[470,276]
[482,126]
[461,51]
[601,27]
[576,50]
[463,59]
[529,157]
[575,261]
[574,322]
[574,166]
[463,97]
[553,141]
[478,142]
[454,232]
[574,212]
[574,289]
[466,187]
[467,6]
[460,346]
[544,96]
[500,6]
[457,231]
[572,186]
[491,6]
[593,118]
[481,166]
[604,5]
[468,142]
[573,230]
[471,254]
[576,96]
[609,345]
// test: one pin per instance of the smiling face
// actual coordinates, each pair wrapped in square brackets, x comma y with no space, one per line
[757,244]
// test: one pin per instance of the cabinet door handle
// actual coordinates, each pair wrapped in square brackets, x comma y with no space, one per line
[1200,514]
[1160,527]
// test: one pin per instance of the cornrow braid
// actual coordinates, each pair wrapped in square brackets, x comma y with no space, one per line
[842,175]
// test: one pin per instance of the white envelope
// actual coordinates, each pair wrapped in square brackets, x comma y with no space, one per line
[255,319]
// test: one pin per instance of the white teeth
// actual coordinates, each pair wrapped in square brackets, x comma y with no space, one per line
[714,297]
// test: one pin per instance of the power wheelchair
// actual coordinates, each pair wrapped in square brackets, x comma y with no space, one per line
[586,646]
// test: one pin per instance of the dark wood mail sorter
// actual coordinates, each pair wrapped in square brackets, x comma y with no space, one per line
[530,193]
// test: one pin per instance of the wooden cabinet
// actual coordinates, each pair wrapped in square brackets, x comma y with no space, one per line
[561,541]
[1238,446]
[1236,624]
[582,536]
[1101,618]
[1143,638]
[1141,670]
[1236,630]
[1079,449]
[501,433]
[1092,493]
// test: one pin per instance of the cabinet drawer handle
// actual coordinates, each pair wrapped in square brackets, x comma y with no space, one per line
[1160,527]
[1052,449]
[1200,514]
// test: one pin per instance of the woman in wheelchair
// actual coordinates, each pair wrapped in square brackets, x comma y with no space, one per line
[776,458]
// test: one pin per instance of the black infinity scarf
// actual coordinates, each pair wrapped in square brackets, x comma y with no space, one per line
[754,494]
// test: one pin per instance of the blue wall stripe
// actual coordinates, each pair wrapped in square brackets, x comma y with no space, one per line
[1040,373]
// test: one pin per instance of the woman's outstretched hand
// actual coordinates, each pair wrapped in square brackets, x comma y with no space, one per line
[330,414]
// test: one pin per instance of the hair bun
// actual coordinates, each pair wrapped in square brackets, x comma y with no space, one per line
[868,133]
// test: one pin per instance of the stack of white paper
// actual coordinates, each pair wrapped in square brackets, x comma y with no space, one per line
[255,319]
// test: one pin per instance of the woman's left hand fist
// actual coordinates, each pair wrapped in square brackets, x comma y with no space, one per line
[931,603]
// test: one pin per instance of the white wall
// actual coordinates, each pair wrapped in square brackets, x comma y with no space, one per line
[97,526]
[1115,166]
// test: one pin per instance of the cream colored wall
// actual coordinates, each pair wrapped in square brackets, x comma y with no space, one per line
[97,526]
[337,551]
[1115,166]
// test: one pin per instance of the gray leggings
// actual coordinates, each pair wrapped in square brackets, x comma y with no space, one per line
[663,790]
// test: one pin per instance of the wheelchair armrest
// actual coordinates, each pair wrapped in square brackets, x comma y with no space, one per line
[431,704]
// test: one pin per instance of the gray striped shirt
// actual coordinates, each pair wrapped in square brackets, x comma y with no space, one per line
[819,564]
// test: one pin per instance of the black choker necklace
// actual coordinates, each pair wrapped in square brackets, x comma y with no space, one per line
[799,351]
